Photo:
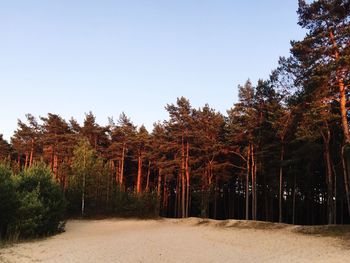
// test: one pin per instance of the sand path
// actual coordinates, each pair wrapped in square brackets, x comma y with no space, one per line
[166,240]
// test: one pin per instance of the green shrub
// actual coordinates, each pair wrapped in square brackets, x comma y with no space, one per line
[9,201]
[30,216]
[42,201]
[130,204]
[31,203]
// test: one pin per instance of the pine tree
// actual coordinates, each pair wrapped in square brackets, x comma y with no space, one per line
[208,128]
[323,56]
[242,120]
[121,136]
[26,140]
[179,127]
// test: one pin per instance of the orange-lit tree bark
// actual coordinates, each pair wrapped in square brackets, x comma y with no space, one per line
[141,142]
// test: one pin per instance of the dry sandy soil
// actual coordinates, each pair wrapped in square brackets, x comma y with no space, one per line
[189,240]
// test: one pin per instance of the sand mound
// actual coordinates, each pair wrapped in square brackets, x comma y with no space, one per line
[181,240]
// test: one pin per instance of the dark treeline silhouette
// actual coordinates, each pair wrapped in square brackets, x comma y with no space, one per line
[280,154]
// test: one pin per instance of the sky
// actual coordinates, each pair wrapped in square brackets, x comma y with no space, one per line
[70,57]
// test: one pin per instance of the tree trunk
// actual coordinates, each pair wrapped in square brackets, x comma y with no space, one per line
[183,185]
[343,110]
[346,181]
[205,201]
[329,173]
[247,186]
[342,91]
[83,190]
[335,194]
[52,158]
[187,179]
[253,174]
[31,153]
[255,191]
[139,173]
[122,165]
[266,200]
[294,197]
[177,195]
[55,166]
[281,184]
[209,187]
[159,182]
[344,116]
[165,197]
[216,197]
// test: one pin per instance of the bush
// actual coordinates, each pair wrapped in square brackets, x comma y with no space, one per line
[30,215]
[42,202]
[130,204]
[9,201]
[31,203]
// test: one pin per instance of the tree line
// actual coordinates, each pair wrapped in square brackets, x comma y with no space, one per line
[281,153]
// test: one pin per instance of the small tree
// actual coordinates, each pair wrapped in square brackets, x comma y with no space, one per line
[83,166]
[41,203]
[9,202]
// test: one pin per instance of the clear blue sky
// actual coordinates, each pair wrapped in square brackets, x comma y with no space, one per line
[70,57]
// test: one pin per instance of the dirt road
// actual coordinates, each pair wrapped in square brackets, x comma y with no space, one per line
[190,240]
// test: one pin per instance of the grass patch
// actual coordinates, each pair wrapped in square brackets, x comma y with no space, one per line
[241,224]
[335,231]
[260,225]
[338,231]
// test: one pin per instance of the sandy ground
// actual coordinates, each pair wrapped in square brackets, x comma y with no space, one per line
[166,240]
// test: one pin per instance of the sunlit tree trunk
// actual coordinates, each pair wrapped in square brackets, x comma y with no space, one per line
[342,91]
[187,180]
[55,166]
[183,185]
[139,173]
[122,165]
[159,183]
